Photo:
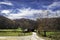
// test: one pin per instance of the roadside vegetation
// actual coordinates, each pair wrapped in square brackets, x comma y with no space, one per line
[50,35]
[49,27]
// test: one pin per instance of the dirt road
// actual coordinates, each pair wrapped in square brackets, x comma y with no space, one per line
[31,37]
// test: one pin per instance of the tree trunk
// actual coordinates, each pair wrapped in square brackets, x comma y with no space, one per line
[44,33]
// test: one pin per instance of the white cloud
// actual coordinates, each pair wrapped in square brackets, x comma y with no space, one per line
[5,11]
[31,13]
[54,4]
[6,3]
[24,13]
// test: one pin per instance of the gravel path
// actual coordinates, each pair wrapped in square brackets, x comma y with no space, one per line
[32,37]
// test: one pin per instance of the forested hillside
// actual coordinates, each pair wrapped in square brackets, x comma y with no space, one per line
[26,23]
[49,24]
[6,23]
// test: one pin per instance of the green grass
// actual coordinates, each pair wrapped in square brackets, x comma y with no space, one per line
[17,33]
[13,32]
[10,29]
[52,35]
[47,33]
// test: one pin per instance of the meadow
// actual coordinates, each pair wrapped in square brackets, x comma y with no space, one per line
[13,32]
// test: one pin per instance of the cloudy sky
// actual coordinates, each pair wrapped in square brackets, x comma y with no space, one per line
[16,9]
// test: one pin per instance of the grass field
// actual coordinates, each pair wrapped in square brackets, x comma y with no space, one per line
[52,35]
[13,32]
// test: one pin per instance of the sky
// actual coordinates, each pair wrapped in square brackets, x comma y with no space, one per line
[31,9]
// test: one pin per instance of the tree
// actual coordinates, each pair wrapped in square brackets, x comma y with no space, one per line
[26,24]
